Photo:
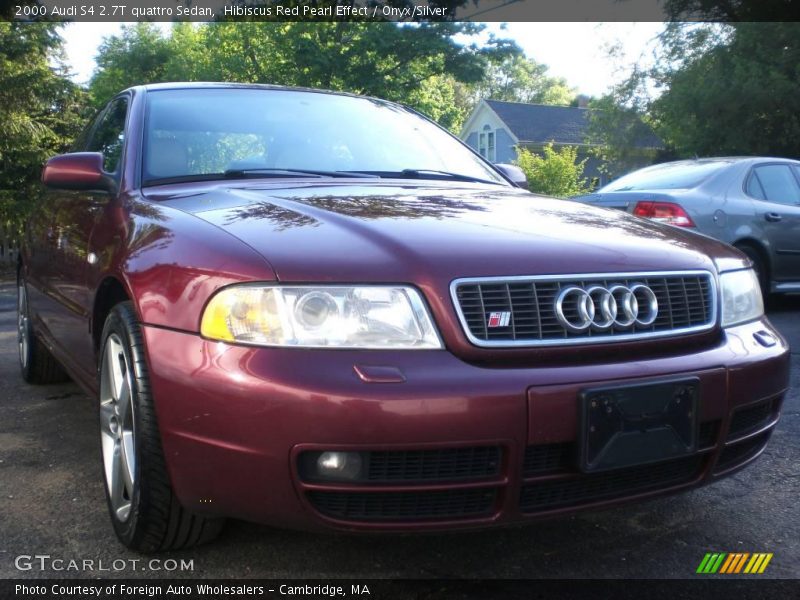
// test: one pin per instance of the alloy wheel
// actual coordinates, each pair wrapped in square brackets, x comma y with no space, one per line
[117,430]
[22,325]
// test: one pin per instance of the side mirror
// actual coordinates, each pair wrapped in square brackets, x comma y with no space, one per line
[77,171]
[515,174]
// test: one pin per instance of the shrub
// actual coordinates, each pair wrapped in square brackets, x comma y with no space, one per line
[554,173]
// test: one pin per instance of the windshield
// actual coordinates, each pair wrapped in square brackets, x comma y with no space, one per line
[668,176]
[199,133]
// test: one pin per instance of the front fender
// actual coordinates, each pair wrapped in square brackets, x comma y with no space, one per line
[171,262]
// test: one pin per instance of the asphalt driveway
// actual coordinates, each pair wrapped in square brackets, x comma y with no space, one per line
[52,502]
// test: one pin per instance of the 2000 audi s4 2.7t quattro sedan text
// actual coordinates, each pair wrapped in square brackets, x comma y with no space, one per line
[323,311]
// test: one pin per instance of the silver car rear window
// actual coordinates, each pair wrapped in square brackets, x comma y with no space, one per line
[667,176]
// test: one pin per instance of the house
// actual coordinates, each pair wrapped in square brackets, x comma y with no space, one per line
[497,128]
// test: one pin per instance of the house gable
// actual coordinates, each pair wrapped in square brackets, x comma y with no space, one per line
[532,124]
[484,120]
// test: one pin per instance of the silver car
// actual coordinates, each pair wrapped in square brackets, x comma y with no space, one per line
[752,203]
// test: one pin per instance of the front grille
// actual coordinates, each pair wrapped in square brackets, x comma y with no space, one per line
[740,452]
[405,506]
[686,302]
[548,458]
[751,418]
[447,464]
[584,489]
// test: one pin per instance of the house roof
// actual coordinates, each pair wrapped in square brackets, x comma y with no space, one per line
[560,124]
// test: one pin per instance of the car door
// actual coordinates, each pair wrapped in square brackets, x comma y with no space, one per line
[75,215]
[776,188]
[42,242]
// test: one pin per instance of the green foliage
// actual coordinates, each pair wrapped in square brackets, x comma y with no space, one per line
[557,172]
[40,112]
[740,95]
[427,66]
[619,136]
[438,98]
[420,64]
[515,78]
[139,54]
[728,10]
[716,89]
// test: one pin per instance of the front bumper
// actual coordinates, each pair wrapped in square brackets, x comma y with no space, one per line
[234,419]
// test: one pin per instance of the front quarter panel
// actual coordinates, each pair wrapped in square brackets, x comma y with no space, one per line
[172,262]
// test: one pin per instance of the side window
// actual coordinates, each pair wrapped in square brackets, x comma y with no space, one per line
[778,183]
[80,143]
[753,188]
[109,135]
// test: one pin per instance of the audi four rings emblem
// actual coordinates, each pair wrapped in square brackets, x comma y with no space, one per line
[601,308]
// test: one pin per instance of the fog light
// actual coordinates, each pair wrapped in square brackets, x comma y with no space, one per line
[339,465]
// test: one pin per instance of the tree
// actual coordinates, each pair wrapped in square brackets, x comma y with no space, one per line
[419,64]
[731,10]
[555,173]
[516,78]
[40,112]
[439,98]
[621,136]
[739,94]
[139,54]
[725,89]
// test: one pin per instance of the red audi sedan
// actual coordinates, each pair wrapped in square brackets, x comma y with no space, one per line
[320,310]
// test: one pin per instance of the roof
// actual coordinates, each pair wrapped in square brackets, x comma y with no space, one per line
[182,85]
[736,159]
[560,124]
[210,85]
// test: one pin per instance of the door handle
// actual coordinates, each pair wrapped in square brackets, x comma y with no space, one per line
[772,217]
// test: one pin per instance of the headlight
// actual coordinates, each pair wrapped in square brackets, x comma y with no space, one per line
[741,297]
[320,316]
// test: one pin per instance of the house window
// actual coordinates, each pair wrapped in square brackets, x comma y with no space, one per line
[482,144]
[491,153]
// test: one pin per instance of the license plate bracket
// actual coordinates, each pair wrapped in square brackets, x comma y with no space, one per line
[623,426]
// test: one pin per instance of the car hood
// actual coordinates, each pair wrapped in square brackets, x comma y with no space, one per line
[396,232]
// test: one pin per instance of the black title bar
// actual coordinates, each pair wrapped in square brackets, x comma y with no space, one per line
[400,10]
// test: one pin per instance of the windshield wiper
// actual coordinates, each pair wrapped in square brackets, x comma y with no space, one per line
[269,172]
[274,173]
[431,174]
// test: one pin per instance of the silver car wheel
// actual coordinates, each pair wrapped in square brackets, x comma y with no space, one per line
[22,326]
[117,430]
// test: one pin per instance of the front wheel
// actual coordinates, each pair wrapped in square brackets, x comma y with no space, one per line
[144,510]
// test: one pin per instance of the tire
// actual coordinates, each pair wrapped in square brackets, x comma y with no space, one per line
[144,511]
[36,363]
[760,268]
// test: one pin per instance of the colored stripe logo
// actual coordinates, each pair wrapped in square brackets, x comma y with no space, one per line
[731,563]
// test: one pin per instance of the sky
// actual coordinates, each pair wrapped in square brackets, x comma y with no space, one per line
[574,51]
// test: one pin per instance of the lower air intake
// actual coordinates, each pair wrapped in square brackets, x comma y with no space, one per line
[405,506]
[585,489]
